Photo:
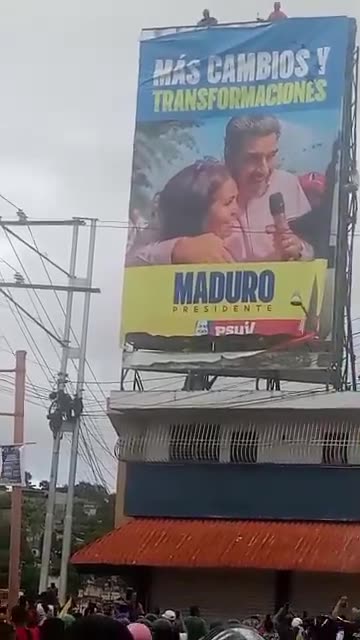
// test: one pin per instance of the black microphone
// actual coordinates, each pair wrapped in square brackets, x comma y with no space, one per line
[277,210]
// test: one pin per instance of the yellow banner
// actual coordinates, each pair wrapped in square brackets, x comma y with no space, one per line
[172,300]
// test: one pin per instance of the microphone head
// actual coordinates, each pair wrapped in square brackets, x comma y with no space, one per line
[276,204]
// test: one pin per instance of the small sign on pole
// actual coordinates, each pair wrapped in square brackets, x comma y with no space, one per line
[11,469]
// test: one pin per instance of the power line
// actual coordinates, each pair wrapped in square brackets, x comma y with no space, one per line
[93,460]
[104,445]
[30,340]
[72,332]
[35,294]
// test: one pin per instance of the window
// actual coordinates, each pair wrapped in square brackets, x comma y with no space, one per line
[136,445]
[335,448]
[194,442]
[131,446]
[244,446]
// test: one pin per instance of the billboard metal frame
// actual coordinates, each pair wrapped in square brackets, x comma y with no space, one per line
[342,375]
[348,379]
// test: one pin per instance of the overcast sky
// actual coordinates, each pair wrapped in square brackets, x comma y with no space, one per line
[68,82]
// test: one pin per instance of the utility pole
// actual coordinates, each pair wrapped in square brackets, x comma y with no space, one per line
[66,547]
[16,492]
[49,518]
[65,412]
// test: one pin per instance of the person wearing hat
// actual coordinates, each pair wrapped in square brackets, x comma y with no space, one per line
[170,615]
[297,627]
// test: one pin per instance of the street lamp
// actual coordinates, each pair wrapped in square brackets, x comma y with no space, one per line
[310,315]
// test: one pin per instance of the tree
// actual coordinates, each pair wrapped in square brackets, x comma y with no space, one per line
[44,485]
[91,492]
[156,145]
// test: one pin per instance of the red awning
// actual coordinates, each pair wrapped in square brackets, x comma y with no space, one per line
[325,547]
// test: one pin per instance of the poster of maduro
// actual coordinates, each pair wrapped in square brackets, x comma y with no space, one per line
[233,217]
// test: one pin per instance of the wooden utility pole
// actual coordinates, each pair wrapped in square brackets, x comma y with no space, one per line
[16,493]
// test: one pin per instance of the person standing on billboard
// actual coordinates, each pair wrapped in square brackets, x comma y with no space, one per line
[276,15]
[251,151]
[207,20]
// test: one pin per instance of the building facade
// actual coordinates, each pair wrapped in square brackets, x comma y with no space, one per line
[238,502]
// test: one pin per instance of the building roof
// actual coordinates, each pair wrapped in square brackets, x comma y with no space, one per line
[234,399]
[318,547]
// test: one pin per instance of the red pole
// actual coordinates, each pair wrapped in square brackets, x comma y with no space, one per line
[16,494]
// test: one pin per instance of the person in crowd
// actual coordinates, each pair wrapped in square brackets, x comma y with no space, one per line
[52,629]
[135,607]
[96,627]
[139,631]
[179,623]
[108,610]
[43,608]
[267,629]
[341,609]
[68,619]
[121,608]
[163,629]
[253,621]
[151,617]
[207,20]
[143,620]
[277,15]
[7,631]
[194,624]
[23,602]
[250,152]
[170,615]
[297,628]
[90,609]
[52,595]
[22,631]
[282,622]
[3,614]
[32,618]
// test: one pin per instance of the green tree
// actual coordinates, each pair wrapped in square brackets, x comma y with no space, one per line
[156,145]
[44,485]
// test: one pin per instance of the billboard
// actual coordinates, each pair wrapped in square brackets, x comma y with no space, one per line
[234,228]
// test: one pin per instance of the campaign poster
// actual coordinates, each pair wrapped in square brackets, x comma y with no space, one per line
[234,209]
[10,466]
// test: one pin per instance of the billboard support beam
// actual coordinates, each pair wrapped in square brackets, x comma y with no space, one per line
[349,376]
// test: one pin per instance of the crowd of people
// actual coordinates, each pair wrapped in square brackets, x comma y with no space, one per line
[126,619]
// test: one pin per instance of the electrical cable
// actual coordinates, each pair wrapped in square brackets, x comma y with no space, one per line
[92,457]
[72,332]
[30,340]
[104,445]
[54,329]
